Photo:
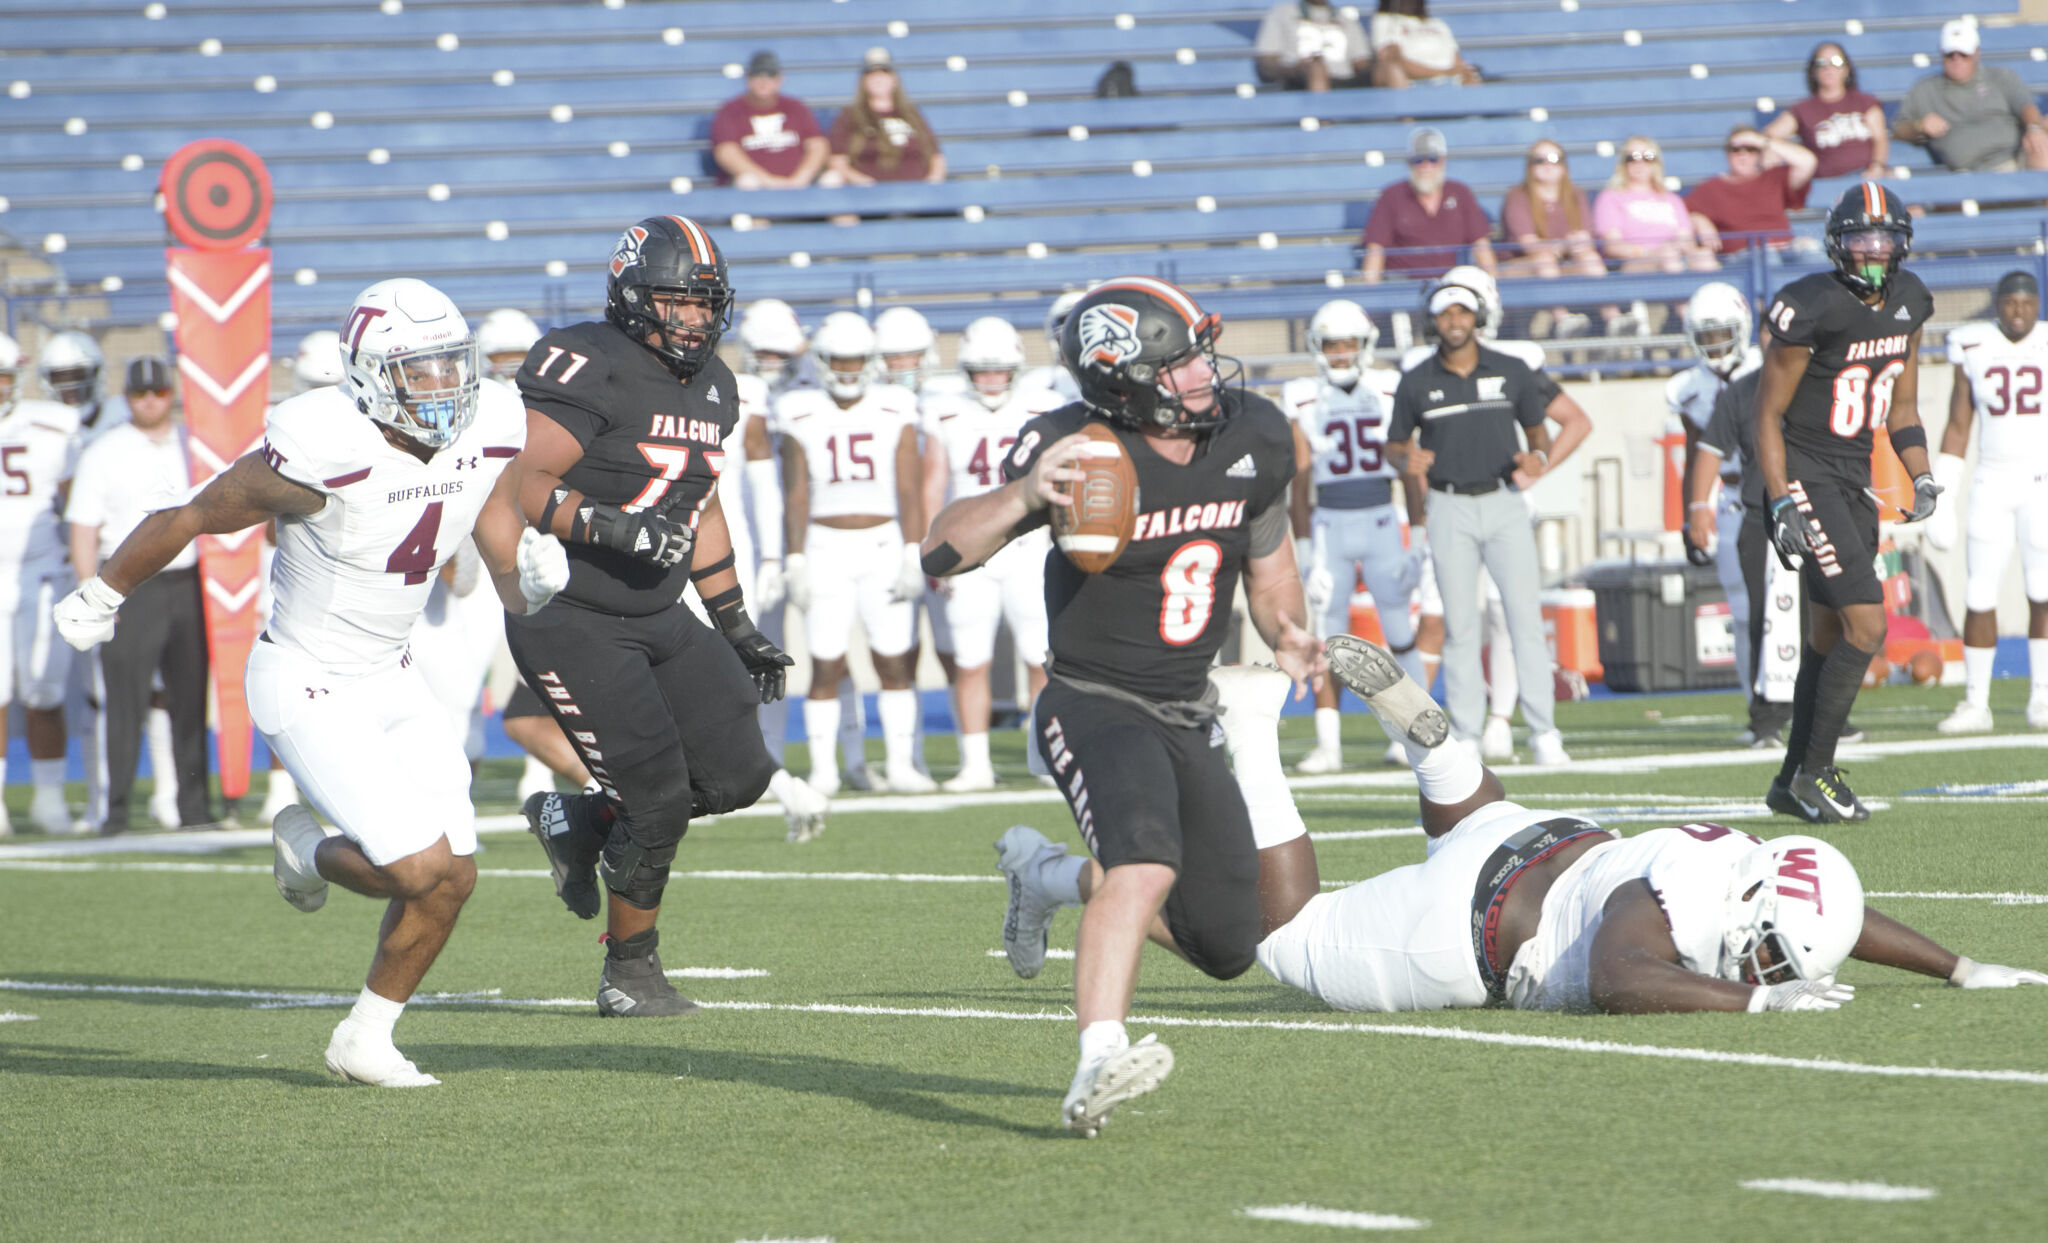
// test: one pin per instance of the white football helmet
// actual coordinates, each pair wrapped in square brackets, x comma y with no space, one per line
[1056,318]
[70,365]
[1795,910]
[1476,279]
[900,332]
[10,373]
[410,361]
[844,336]
[318,362]
[991,344]
[1341,319]
[1717,320]
[770,326]
[504,337]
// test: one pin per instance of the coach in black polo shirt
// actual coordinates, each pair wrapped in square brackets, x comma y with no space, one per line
[1466,401]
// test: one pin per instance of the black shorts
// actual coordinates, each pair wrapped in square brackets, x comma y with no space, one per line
[646,699]
[523,702]
[1146,792]
[1843,569]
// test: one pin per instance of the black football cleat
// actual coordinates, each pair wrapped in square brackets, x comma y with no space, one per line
[1779,799]
[571,858]
[1826,791]
[635,988]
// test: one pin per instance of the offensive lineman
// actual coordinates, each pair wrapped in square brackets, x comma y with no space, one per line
[851,484]
[1127,723]
[1343,510]
[626,422]
[2000,370]
[368,510]
[966,437]
[1843,361]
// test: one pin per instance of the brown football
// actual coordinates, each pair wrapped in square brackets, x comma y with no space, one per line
[1096,528]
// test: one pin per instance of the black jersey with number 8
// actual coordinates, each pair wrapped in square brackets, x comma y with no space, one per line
[1859,352]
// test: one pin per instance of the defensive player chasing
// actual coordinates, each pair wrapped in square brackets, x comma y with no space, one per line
[368,510]
[2000,371]
[1127,724]
[626,422]
[1542,911]
[1843,360]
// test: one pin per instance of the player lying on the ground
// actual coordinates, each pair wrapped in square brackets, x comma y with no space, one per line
[372,484]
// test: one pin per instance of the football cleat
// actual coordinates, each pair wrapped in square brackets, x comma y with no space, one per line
[295,838]
[635,988]
[970,780]
[1546,750]
[1779,799]
[1098,1089]
[2037,711]
[573,862]
[1395,754]
[358,1057]
[1027,921]
[1375,676]
[1826,793]
[1321,762]
[1968,718]
[903,779]
[1497,741]
[49,812]
[803,807]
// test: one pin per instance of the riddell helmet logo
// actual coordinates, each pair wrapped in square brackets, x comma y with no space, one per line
[627,253]
[1109,334]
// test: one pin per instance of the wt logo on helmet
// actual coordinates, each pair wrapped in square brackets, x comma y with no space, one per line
[1109,334]
[627,253]
[1801,867]
[359,321]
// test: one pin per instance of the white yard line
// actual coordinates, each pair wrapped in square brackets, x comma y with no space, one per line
[1310,1215]
[9,1016]
[1838,1191]
[1066,955]
[1997,899]
[715,973]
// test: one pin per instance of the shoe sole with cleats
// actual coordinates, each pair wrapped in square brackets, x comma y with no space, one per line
[1372,673]
[1129,1074]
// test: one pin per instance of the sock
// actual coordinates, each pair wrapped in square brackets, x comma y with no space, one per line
[1803,691]
[48,774]
[899,713]
[821,728]
[853,726]
[1412,664]
[1060,877]
[283,790]
[163,765]
[1977,673]
[2037,665]
[974,753]
[1255,761]
[535,774]
[1446,773]
[1841,676]
[1100,1040]
[375,1015]
[639,945]
[1329,726]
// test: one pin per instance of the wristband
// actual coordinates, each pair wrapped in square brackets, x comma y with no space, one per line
[547,511]
[1700,505]
[1904,438]
[1545,456]
[1758,999]
[1960,973]
[724,563]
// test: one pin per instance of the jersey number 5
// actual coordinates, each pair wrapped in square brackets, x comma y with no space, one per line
[1861,401]
[1190,582]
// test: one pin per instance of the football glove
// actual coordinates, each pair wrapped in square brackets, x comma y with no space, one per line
[766,663]
[86,616]
[1970,974]
[769,590]
[1791,532]
[909,584]
[543,568]
[1695,553]
[796,581]
[1799,995]
[648,535]
[1926,494]
[1940,530]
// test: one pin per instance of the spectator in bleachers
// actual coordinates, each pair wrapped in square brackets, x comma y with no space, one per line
[881,135]
[1765,177]
[763,139]
[1843,126]
[1973,117]
[1410,46]
[1428,209]
[1548,220]
[1644,226]
[1310,46]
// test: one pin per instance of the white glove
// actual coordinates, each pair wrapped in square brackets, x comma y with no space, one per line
[1940,530]
[1970,974]
[1417,558]
[1821,994]
[86,616]
[769,588]
[1318,585]
[543,568]
[796,581]
[909,584]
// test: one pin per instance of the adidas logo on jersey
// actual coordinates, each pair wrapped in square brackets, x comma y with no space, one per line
[1243,468]
[712,396]
[1902,313]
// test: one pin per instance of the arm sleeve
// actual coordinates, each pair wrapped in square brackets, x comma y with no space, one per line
[1789,322]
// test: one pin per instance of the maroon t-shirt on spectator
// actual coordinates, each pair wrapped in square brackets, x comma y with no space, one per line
[1518,215]
[1754,206]
[1399,221]
[1839,132]
[912,165]
[772,136]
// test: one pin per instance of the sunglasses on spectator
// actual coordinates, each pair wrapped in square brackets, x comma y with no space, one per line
[1957,55]
[1546,157]
[1642,157]
[1744,148]
[1828,62]
[149,392]
[1425,159]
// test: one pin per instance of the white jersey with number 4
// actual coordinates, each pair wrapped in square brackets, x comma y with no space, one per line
[850,451]
[975,438]
[38,452]
[348,581]
[1346,430]
[2009,387]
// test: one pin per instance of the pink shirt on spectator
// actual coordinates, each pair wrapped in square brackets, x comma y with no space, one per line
[1642,217]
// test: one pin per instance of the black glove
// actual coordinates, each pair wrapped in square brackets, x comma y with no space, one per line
[766,663]
[649,535]
[1694,552]
[1791,531]
[1925,490]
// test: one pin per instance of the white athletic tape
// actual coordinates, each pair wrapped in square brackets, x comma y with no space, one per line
[1310,1215]
[1838,1191]
[1087,543]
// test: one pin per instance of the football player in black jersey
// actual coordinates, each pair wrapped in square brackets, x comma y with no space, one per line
[626,419]
[1127,723]
[1842,361]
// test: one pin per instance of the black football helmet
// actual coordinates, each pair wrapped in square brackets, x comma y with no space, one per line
[670,255]
[1122,337]
[1868,207]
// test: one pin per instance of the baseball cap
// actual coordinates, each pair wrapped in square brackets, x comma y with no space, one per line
[877,58]
[1453,295]
[1428,142]
[764,65]
[148,373]
[1959,36]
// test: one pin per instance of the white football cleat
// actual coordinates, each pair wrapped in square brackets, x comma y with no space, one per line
[1968,718]
[1375,676]
[1100,1088]
[863,777]
[803,807]
[1020,851]
[295,836]
[1395,754]
[49,812]
[969,780]
[2037,712]
[1546,750]
[164,811]
[1497,742]
[360,1058]
[1321,762]
[824,780]
[903,779]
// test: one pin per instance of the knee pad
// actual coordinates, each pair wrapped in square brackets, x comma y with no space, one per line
[732,792]
[643,840]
